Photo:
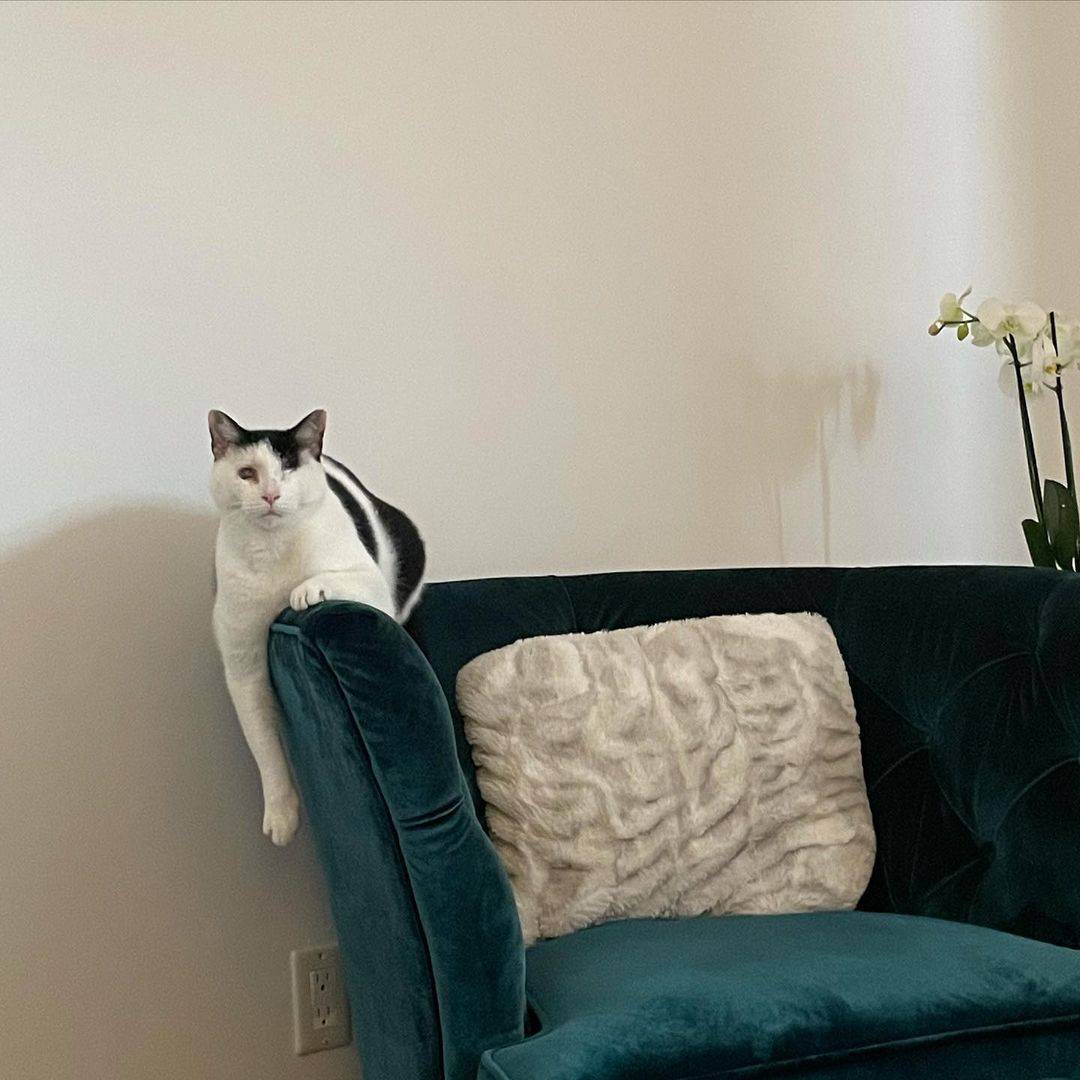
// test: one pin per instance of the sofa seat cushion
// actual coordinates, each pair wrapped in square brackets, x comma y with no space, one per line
[824,994]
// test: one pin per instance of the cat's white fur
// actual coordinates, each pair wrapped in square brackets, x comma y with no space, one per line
[297,551]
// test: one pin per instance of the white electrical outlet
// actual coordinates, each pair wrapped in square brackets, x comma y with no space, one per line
[320,1009]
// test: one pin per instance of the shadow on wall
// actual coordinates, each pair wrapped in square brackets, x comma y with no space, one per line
[807,418]
[130,811]
[114,645]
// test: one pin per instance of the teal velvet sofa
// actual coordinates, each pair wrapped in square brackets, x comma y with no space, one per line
[961,962]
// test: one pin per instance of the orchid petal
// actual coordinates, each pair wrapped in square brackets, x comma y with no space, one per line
[992,313]
[1030,319]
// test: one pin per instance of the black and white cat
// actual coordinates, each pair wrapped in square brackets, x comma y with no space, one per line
[296,528]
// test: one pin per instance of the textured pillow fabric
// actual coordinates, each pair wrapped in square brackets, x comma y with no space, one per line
[707,765]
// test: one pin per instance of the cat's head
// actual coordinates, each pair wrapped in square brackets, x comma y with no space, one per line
[268,476]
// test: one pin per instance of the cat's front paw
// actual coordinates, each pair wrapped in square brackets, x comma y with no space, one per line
[281,816]
[309,593]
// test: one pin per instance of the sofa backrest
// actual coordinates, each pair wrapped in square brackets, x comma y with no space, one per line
[965,692]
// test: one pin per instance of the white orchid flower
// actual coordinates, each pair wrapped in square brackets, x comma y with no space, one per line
[951,313]
[1033,385]
[1044,360]
[980,336]
[1024,322]
[1068,341]
[951,306]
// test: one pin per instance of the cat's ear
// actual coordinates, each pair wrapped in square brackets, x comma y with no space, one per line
[309,432]
[224,432]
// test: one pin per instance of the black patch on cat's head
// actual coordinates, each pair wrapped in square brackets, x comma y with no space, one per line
[226,433]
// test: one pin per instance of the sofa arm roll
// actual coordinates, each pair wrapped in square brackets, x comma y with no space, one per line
[424,912]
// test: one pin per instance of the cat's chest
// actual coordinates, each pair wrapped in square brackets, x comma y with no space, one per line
[258,575]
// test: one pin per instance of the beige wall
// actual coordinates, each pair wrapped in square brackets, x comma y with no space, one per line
[1053,134]
[582,286]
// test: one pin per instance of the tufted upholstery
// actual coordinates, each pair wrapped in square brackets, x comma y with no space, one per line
[967,692]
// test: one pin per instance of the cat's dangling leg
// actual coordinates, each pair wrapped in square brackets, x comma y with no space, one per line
[257,709]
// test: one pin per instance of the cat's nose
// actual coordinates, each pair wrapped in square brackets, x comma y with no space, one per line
[271,497]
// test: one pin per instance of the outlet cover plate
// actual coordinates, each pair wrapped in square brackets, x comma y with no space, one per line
[321,1018]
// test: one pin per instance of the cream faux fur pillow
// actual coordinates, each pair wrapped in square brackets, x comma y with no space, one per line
[705,765]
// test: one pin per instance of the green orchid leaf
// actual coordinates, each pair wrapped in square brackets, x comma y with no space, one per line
[1062,522]
[1051,510]
[1042,554]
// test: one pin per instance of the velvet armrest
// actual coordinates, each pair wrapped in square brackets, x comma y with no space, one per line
[424,912]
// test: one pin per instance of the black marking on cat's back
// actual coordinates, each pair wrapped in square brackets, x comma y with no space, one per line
[357,513]
[403,534]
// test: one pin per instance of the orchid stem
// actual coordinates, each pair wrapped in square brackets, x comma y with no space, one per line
[1066,442]
[1029,441]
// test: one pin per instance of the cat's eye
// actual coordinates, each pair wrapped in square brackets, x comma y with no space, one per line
[247,473]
